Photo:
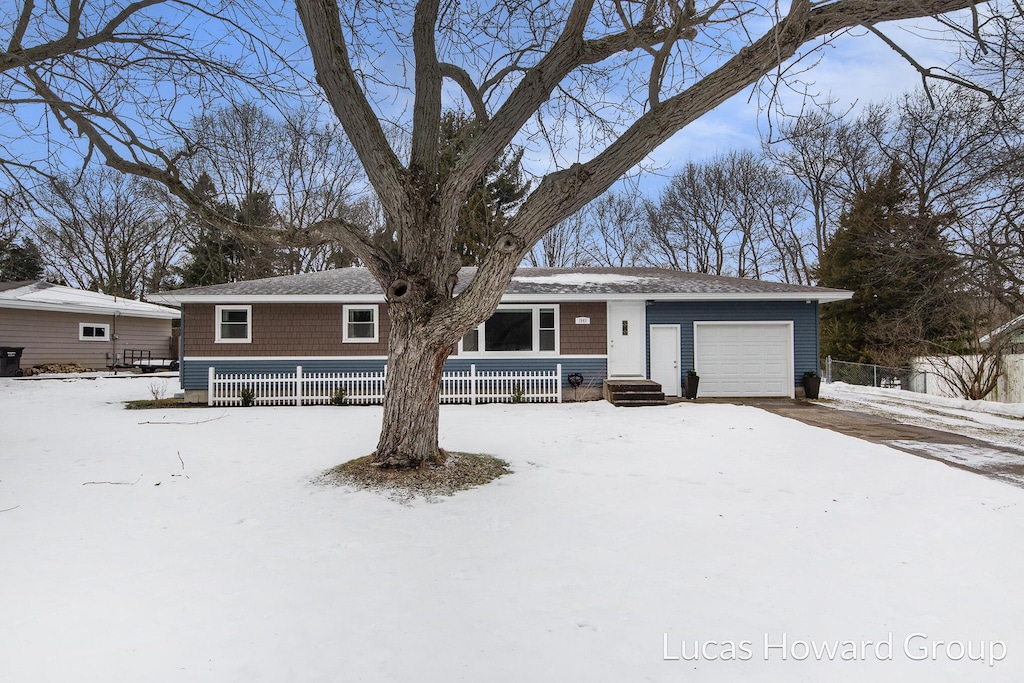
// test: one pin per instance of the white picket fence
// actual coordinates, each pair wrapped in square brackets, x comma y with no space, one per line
[364,388]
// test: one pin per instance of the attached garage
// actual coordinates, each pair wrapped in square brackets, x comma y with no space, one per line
[744,358]
[756,346]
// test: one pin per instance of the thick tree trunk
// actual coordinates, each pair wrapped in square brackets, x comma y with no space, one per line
[416,359]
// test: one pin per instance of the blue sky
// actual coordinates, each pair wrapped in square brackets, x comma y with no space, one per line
[854,70]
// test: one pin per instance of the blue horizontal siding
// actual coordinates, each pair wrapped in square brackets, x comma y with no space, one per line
[194,373]
[804,316]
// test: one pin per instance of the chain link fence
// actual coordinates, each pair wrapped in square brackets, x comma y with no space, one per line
[867,375]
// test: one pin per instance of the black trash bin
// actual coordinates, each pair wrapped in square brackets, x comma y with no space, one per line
[10,361]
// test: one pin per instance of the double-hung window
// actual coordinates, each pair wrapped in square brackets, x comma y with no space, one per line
[360,325]
[515,330]
[234,324]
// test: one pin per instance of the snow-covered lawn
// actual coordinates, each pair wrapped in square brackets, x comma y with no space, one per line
[623,539]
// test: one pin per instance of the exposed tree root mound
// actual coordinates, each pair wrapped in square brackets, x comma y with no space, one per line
[460,471]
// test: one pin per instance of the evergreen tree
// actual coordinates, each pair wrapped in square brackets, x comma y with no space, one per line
[216,256]
[906,281]
[483,216]
[260,253]
[20,261]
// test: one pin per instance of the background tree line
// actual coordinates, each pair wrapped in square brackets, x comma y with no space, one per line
[276,176]
[914,204]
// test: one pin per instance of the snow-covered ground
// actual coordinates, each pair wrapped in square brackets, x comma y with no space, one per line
[1001,424]
[191,545]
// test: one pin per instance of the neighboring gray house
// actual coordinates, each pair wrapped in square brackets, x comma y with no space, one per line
[744,337]
[57,324]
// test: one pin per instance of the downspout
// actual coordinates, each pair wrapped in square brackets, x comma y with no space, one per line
[113,342]
[181,347]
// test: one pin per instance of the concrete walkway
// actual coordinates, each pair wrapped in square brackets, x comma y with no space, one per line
[996,461]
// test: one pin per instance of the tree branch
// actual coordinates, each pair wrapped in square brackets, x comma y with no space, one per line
[426,113]
[16,56]
[99,141]
[465,82]
[21,26]
[929,73]
[353,238]
[535,88]
[564,192]
[322,24]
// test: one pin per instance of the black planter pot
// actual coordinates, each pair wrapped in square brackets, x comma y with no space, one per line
[690,386]
[812,385]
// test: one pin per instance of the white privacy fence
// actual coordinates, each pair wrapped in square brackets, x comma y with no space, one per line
[363,388]
[939,376]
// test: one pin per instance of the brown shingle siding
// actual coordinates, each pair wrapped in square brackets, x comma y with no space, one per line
[316,330]
[282,330]
[579,340]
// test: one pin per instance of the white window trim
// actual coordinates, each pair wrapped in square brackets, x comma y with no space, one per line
[104,338]
[536,335]
[345,339]
[217,325]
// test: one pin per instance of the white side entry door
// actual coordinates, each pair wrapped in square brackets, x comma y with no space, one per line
[665,358]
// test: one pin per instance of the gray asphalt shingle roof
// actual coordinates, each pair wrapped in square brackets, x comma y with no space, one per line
[560,282]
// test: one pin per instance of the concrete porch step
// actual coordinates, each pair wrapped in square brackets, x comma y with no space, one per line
[631,403]
[633,392]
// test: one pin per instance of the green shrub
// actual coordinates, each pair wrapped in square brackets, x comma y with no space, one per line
[248,397]
[518,394]
[339,397]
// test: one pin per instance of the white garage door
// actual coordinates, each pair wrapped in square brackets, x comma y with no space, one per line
[744,359]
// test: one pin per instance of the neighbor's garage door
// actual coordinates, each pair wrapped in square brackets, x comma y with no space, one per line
[744,359]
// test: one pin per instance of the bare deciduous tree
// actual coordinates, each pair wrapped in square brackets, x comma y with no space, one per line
[529,70]
[690,225]
[732,215]
[564,246]
[974,368]
[126,68]
[306,171]
[109,232]
[616,227]
[809,150]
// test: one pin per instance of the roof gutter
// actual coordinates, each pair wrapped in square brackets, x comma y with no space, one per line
[821,297]
[171,314]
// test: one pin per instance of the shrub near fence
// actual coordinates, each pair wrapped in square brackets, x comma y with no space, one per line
[365,388]
[933,376]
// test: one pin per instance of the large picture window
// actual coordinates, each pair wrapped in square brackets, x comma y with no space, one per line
[360,325]
[234,324]
[515,330]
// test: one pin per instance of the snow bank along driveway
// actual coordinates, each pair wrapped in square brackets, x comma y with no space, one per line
[971,423]
[687,542]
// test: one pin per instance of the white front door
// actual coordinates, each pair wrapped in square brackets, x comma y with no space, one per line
[627,344]
[665,358]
